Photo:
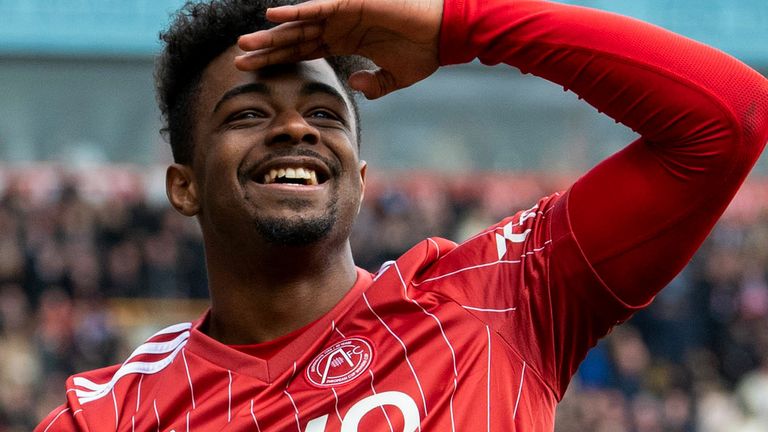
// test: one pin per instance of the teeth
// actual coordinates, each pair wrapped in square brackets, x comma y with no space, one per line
[294,173]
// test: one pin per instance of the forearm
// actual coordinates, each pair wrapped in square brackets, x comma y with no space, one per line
[702,115]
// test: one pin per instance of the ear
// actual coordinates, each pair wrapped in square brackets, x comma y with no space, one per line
[363,167]
[181,189]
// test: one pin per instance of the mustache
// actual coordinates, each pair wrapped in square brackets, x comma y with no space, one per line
[244,169]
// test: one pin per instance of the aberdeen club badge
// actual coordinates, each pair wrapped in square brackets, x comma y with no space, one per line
[340,363]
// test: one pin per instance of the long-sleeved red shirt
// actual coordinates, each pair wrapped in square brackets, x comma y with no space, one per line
[487,334]
[639,216]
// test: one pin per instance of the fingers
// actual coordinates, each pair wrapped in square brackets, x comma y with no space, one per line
[308,50]
[281,36]
[286,43]
[311,10]
[373,84]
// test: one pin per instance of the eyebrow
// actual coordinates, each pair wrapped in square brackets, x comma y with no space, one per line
[260,88]
[307,89]
[314,87]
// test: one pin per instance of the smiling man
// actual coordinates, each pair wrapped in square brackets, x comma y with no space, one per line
[275,179]
[479,336]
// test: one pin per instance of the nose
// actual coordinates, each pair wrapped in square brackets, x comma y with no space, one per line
[291,128]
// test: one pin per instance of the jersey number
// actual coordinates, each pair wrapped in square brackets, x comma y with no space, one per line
[399,400]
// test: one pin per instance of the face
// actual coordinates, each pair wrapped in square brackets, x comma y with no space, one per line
[275,155]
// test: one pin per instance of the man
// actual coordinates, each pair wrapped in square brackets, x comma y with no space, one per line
[479,336]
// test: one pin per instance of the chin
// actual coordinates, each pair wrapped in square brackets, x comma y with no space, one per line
[297,230]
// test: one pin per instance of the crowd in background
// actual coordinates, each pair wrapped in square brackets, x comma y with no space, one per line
[696,360]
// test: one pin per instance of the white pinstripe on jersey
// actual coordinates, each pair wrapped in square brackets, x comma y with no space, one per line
[437,247]
[512,309]
[488,384]
[157,414]
[461,270]
[117,415]
[405,351]
[391,429]
[138,393]
[229,391]
[55,418]
[295,409]
[189,379]
[445,338]
[488,264]
[333,326]
[253,415]
[293,375]
[519,390]
[336,404]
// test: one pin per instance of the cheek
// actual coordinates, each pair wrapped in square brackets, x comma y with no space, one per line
[221,166]
[226,154]
[352,197]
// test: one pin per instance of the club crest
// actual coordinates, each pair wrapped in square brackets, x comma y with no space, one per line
[340,363]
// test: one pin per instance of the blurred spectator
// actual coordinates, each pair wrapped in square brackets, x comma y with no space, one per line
[753,393]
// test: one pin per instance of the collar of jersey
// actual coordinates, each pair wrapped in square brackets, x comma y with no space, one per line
[282,362]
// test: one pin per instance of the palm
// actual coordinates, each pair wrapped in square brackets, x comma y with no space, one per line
[401,37]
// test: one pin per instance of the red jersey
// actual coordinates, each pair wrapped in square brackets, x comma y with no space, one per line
[427,343]
[484,335]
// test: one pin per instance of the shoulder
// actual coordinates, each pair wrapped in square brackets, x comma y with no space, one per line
[512,251]
[61,419]
[511,239]
[151,357]
[95,394]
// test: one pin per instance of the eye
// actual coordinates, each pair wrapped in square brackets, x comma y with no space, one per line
[323,114]
[244,118]
[246,115]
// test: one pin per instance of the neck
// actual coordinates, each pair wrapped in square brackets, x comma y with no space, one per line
[260,295]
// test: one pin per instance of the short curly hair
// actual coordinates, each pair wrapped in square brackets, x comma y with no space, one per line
[200,32]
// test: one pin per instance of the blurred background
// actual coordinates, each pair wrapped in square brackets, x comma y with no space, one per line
[92,259]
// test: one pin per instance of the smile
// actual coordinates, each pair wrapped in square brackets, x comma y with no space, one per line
[292,175]
[292,171]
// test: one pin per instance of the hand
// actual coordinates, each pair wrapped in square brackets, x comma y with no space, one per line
[400,36]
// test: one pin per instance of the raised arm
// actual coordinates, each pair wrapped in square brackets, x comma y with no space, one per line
[638,216]
[702,116]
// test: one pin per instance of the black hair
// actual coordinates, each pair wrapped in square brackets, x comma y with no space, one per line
[200,32]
